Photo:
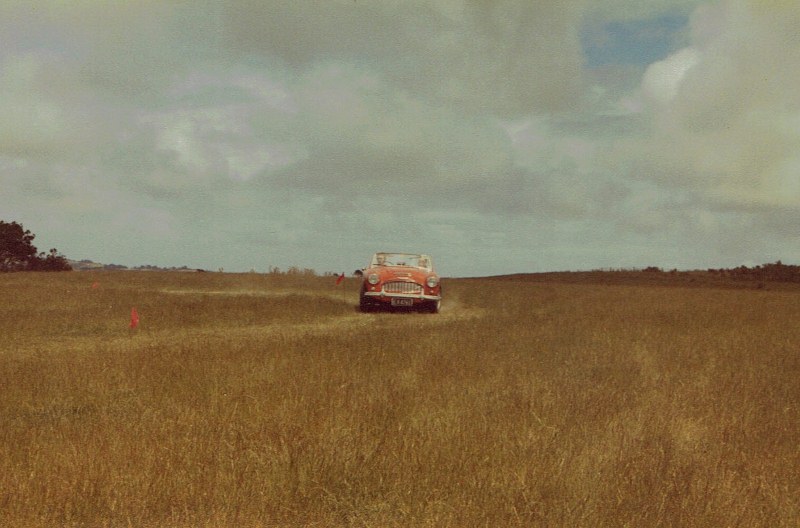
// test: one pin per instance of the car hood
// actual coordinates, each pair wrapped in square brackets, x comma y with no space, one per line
[387,273]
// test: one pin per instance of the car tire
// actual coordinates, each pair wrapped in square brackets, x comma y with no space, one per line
[364,304]
[432,307]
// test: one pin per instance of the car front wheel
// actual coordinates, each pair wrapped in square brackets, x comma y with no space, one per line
[364,304]
[432,306]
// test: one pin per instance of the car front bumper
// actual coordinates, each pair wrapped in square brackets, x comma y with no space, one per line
[387,297]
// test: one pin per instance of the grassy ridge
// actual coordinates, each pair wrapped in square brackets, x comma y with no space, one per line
[244,400]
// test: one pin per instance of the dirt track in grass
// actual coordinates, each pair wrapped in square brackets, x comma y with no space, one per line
[452,310]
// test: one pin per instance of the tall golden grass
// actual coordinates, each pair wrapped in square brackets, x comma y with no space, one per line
[267,400]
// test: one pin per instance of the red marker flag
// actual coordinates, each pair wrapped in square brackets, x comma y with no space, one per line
[134,318]
[339,279]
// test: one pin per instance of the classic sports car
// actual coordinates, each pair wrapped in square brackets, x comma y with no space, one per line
[400,280]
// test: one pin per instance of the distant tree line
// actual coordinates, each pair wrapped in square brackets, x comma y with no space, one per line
[17,252]
[776,272]
[150,267]
[300,272]
[293,270]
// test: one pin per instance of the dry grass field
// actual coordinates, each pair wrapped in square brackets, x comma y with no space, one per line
[249,400]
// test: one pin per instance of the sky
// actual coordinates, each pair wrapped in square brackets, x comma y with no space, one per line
[504,136]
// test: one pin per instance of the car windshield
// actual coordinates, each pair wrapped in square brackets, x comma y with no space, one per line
[402,259]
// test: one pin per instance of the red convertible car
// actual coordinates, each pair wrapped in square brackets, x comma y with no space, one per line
[400,280]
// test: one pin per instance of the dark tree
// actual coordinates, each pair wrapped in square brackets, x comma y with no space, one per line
[16,247]
[52,261]
[17,252]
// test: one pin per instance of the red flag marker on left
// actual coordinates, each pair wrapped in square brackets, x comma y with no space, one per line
[340,278]
[134,318]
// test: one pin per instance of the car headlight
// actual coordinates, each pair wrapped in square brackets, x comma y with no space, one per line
[373,279]
[432,281]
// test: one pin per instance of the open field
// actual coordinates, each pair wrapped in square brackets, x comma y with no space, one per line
[245,400]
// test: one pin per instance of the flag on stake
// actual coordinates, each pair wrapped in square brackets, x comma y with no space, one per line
[339,279]
[95,285]
[134,318]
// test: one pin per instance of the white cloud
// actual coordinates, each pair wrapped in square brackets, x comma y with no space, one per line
[509,56]
[642,9]
[663,79]
[726,108]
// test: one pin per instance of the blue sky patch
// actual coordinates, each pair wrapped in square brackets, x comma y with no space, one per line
[632,42]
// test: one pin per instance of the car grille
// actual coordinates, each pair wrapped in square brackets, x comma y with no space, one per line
[402,287]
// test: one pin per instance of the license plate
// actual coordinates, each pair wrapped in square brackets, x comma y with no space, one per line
[402,302]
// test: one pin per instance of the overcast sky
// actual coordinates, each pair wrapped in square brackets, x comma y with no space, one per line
[499,136]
